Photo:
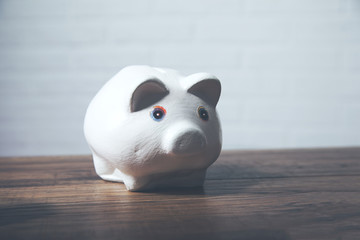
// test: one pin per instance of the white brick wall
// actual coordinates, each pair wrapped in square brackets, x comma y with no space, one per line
[290,69]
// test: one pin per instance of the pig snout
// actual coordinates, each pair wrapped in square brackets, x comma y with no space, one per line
[184,139]
[189,142]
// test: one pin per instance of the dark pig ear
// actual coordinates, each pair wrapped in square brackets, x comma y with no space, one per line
[147,93]
[206,87]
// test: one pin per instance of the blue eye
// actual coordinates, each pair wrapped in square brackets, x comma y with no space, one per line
[158,113]
[203,114]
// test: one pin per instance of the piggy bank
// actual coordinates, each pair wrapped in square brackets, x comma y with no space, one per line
[151,127]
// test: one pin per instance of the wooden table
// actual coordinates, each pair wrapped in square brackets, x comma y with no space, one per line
[282,194]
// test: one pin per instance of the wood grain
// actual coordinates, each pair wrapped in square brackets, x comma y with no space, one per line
[283,194]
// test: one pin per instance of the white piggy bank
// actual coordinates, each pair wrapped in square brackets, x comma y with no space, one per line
[150,127]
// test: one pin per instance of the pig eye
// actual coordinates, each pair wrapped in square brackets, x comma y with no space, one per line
[158,113]
[203,114]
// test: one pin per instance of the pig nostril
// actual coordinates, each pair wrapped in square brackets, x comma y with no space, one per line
[188,143]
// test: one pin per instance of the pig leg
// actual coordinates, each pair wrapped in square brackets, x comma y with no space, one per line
[105,169]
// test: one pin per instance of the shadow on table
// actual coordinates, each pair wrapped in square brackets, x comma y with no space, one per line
[251,234]
[19,213]
[221,182]
[210,188]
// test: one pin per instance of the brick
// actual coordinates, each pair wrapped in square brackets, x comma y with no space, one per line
[352,117]
[17,59]
[253,137]
[27,143]
[283,112]
[196,55]
[350,7]
[44,8]
[352,60]
[155,29]
[27,8]
[313,84]
[315,138]
[197,7]
[108,7]
[52,31]
[293,58]
[241,29]
[109,56]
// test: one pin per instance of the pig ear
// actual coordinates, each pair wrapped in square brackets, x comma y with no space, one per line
[206,87]
[147,93]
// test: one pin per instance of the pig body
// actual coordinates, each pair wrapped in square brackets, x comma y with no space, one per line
[150,127]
